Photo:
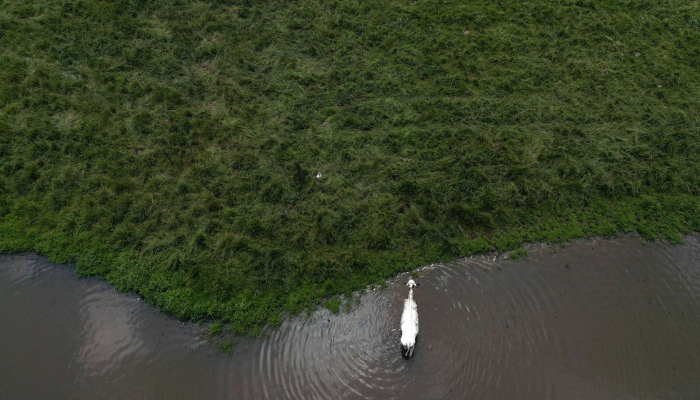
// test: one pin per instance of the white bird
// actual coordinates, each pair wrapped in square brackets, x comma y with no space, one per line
[409,322]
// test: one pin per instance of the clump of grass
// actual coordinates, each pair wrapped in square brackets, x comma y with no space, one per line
[150,145]
[215,330]
[226,346]
[352,302]
[518,253]
[333,304]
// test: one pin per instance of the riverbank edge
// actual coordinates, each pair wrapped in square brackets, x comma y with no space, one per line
[651,216]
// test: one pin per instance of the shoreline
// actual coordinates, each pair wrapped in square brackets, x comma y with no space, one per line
[126,273]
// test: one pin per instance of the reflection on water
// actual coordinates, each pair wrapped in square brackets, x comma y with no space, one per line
[596,319]
[106,341]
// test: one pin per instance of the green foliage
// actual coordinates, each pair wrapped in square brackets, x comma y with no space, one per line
[226,346]
[215,330]
[518,253]
[156,144]
[333,304]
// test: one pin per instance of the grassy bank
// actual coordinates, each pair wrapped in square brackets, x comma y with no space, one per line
[172,147]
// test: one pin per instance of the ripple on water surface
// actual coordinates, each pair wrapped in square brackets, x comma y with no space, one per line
[595,319]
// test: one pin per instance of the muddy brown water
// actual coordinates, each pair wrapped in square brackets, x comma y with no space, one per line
[599,319]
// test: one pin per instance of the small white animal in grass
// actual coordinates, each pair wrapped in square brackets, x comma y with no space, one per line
[409,322]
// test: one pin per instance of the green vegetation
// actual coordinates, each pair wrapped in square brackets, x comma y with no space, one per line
[518,253]
[333,304]
[226,346]
[172,147]
[216,328]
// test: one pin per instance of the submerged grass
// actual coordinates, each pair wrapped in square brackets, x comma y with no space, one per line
[174,147]
[226,346]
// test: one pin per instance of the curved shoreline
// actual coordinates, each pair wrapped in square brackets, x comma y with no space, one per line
[670,218]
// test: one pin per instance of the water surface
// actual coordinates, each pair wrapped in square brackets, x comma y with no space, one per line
[600,319]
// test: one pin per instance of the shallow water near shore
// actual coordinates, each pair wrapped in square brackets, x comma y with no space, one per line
[613,319]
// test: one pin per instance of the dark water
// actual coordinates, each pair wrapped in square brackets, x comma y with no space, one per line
[594,320]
